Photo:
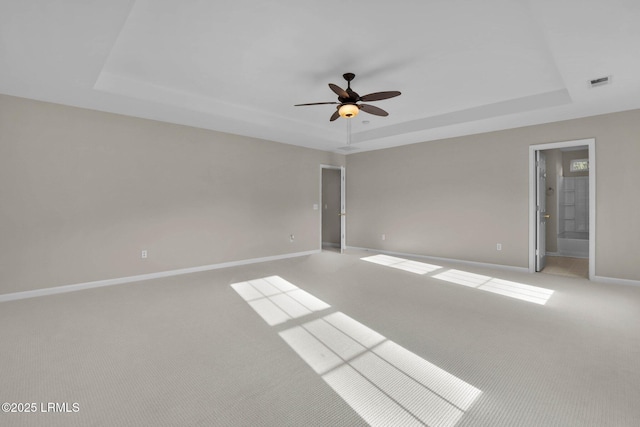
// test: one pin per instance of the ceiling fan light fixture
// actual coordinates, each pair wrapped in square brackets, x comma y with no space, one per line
[348,106]
[348,111]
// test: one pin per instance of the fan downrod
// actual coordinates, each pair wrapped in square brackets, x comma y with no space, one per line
[353,97]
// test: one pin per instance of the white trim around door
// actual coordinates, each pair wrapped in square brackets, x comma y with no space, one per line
[591,144]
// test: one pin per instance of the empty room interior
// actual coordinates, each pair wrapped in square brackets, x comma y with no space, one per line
[337,213]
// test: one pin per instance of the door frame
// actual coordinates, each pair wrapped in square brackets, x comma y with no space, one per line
[541,211]
[343,205]
[591,144]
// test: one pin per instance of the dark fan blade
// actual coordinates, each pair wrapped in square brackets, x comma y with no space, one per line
[377,96]
[316,103]
[373,110]
[339,91]
[334,116]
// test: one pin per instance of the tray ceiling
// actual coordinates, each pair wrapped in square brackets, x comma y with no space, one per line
[240,66]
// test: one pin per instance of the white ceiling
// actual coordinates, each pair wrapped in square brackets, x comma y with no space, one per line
[239,66]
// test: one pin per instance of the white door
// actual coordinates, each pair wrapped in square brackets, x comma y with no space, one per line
[343,211]
[541,210]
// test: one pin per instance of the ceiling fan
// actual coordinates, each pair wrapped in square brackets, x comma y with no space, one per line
[348,106]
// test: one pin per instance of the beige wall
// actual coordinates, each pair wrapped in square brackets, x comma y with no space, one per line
[83,192]
[457,198]
[331,206]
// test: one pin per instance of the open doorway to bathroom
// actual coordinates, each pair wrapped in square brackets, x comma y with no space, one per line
[563,210]
[567,200]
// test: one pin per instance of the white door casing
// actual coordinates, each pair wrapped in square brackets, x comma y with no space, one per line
[343,210]
[541,210]
[533,149]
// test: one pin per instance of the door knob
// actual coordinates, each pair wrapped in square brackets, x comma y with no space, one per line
[546,216]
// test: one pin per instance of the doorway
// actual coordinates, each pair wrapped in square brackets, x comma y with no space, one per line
[332,208]
[562,208]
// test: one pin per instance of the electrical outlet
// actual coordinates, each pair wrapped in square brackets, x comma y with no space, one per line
[291,237]
[143,254]
[384,237]
[499,246]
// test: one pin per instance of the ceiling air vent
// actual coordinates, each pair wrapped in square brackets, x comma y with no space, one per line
[600,81]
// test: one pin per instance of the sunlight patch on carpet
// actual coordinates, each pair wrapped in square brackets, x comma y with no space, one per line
[507,288]
[277,300]
[402,264]
[383,382]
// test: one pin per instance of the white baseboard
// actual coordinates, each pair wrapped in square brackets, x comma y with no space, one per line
[122,280]
[600,279]
[458,261]
[331,244]
[571,254]
[614,281]
[109,282]
[568,254]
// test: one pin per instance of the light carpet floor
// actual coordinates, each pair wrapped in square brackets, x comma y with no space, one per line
[190,350]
